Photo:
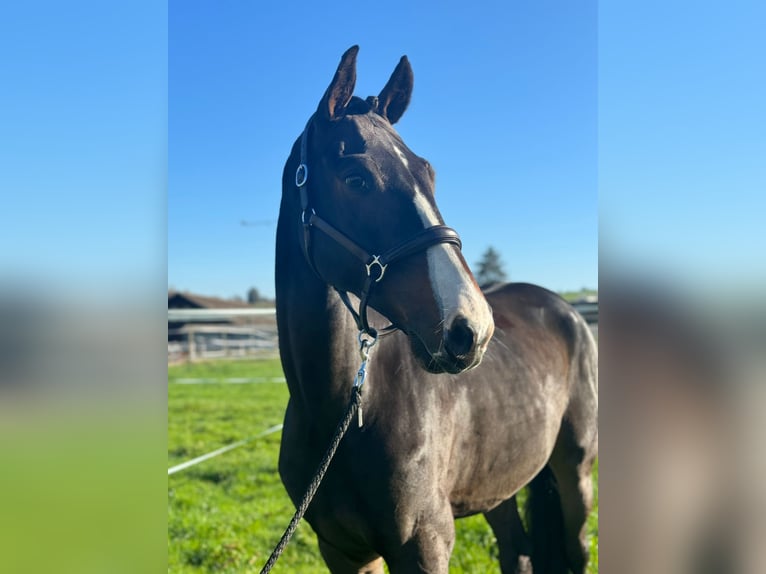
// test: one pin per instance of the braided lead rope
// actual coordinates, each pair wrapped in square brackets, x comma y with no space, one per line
[340,431]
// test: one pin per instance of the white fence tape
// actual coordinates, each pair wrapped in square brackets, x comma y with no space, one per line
[204,457]
[228,381]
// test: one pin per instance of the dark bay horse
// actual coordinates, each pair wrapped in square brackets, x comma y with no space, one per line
[475,396]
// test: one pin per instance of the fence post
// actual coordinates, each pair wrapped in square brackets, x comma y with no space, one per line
[191,346]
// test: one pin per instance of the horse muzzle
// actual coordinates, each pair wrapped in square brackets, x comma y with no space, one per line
[463,345]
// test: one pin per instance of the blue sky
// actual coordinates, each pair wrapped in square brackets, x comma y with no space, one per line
[136,136]
[83,140]
[682,141]
[504,107]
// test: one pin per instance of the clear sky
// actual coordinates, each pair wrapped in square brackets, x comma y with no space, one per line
[504,107]
[682,140]
[83,140]
[135,137]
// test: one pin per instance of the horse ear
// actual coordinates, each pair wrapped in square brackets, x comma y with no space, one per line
[340,90]
[395,97]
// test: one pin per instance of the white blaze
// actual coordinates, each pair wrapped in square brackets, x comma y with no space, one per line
[402,157]
[451,284]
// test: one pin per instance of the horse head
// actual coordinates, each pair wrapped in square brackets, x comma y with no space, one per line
[371,193]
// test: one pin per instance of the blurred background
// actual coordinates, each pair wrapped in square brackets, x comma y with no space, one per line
[681,283]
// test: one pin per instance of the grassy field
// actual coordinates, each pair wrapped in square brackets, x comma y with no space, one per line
[227,513]
[575,295]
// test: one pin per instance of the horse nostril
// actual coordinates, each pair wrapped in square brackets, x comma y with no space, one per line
[459,339]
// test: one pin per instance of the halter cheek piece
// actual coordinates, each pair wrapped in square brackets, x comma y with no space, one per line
[374,265]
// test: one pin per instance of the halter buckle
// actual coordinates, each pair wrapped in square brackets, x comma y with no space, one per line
[301,175]
[306,215]
[376,261]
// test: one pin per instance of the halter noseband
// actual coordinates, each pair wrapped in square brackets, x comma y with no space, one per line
[375,265]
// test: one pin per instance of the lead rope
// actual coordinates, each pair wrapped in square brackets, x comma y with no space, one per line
[366,342]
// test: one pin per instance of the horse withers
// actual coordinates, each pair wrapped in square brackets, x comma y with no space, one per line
[473,396]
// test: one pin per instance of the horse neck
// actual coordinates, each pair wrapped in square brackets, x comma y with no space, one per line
[317,335]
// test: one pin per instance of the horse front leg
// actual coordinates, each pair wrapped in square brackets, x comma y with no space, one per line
[428,547]
[339,562]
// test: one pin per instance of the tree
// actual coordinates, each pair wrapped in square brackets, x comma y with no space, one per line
[490,268]
[253,296]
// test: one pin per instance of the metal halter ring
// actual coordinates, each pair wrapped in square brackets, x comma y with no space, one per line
[367,341]
[376,261]
[306,216]
[301,175]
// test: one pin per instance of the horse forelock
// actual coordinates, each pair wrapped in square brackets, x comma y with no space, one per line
[358,106]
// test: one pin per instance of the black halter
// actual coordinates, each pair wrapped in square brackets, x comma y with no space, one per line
[374,265]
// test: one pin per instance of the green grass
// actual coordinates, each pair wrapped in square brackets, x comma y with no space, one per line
[575,295]
[227,513]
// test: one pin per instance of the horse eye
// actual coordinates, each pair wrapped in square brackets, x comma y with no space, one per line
[356,182]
